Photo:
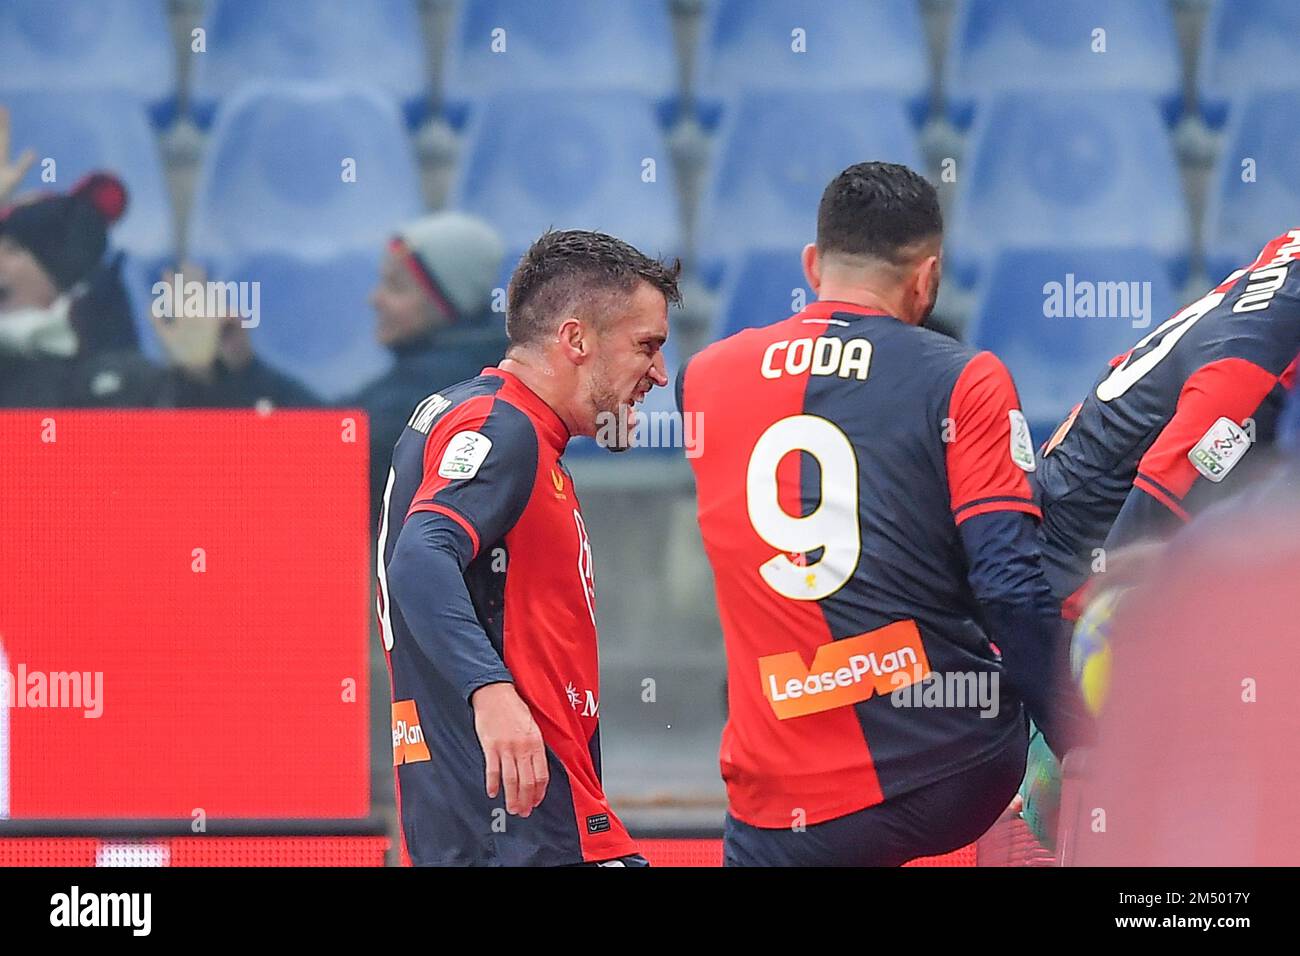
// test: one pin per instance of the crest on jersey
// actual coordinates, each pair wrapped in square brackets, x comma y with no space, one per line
[465,453]
[1022,445]
[1219,450]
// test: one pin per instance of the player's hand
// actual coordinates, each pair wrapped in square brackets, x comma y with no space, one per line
[11,173]
[512,747]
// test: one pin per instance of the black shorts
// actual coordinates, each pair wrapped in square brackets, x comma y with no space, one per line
[939,818]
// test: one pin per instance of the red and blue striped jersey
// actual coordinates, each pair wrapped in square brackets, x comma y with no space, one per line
[843,452]
[485,575]
[1169,425]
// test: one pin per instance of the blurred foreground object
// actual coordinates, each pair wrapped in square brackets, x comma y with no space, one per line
[1195,762]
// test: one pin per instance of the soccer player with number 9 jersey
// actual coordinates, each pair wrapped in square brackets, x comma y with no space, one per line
[865,504]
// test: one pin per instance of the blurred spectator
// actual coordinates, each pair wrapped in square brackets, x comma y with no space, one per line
[61,313]
[212,359]
[433,311]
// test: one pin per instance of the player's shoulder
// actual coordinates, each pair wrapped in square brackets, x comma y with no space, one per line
[942,349]
[482,404]
[940,361]
[1253,315]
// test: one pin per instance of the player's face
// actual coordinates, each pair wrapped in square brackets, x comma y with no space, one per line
[402,309]
[626,363]
[23,283]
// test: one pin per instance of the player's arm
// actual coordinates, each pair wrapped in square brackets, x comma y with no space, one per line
[989,458]
[1194,460]
[478,476]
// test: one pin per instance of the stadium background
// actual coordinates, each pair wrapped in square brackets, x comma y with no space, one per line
[1052,156]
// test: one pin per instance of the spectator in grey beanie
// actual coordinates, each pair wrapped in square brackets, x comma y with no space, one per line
[433,311]
[52,247]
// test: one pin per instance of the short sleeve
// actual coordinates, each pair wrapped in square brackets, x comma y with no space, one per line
[989,449]
[480,464]
[1207,435]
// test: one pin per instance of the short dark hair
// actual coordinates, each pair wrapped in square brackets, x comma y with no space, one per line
[879,210]
[574,269]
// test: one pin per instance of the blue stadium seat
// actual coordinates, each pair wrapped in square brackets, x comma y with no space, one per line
[344,41]
[776,152]
[532,161]
[106,130]
[85,45]
[1247,46]
[999,45]
[315,322]
[585,45]
[1085,169]
[1056,353]
[273,176]
[1243,214]
[762,286]
[848,45]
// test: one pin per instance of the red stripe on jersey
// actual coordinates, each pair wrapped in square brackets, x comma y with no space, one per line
[818,766]
[1155,491]
[454,516]
[1230,388]
[979,452]
[986,507]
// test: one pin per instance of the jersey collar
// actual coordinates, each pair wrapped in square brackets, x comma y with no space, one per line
[825,308]
[548,423]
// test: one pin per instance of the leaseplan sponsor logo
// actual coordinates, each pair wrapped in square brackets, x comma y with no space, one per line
[844,672]
[409,745]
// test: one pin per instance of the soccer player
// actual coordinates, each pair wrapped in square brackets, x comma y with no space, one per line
[486,596]
[1170,425]
[864,502]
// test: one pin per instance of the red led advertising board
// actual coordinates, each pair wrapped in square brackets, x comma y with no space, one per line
[184,614]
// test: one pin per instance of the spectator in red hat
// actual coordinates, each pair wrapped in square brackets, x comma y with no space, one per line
[54,345]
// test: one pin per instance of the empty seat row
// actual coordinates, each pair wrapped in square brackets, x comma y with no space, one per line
[745,45]
[314,174]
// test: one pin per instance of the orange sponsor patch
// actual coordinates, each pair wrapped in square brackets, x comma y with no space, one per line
[844,672]
[408,736]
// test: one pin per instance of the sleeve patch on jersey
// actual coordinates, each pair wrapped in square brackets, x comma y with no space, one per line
[1022,444]
[465,453]
[1225,444]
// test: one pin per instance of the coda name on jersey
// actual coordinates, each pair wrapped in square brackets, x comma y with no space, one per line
[825,355]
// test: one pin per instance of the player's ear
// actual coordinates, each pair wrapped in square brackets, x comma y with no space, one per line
[573,340]
[812,267]
[926,278]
